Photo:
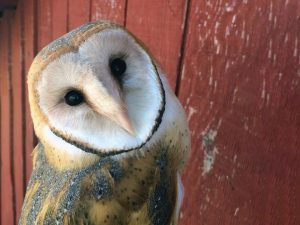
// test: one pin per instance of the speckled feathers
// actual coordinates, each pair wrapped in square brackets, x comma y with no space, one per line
[115,158]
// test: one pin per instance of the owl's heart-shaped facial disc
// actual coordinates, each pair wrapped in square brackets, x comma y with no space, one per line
[95,83]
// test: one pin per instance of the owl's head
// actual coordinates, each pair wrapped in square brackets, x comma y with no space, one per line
[96,88]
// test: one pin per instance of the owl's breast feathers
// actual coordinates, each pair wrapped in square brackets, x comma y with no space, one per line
[127,191]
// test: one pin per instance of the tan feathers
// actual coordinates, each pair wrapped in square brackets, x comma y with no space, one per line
[114,157]
[137,190]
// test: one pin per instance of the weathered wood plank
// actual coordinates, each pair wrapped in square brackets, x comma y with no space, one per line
[159,24]
[7,187]
[17,81]
[78,13]
[44,25]
[30,45]
[59,18]
[110,10]
[240,85]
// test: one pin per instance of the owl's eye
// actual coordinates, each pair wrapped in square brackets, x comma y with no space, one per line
[117,67]
[74,98]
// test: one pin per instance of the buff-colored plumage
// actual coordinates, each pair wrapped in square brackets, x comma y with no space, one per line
[105,165]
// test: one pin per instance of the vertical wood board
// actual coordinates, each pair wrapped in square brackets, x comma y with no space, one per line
[18,114]
[7,195]
[236,68]
[108,10]
[240,88]
[30,45]
[59,18]
[159,24]
[78,13]
[44,23]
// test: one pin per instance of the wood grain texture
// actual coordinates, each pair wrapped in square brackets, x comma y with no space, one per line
[17,81]
[7,187]
[240,88]
[159,24]
[78,13]
[59,18]
[44,25]
[30,45]
[109,10]
[236,68]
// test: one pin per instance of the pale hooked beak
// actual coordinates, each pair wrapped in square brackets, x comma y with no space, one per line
[122,119]
[113,110]
[108,102]
[117,114]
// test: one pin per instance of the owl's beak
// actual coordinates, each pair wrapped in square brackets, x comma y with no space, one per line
[118,114]
[123,120]
[109,103]
[121,117]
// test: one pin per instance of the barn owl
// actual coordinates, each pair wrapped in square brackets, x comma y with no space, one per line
[113,137]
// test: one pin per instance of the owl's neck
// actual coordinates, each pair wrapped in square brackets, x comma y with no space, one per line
[64,156]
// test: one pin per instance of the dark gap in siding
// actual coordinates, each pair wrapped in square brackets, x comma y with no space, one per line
[182,47]
[4,8]
[68,16]
[90,15]
[90,12]
[51,19]
[38,19]
[11,110]
[35,45]
[125,13]
[35,26]
[23,80]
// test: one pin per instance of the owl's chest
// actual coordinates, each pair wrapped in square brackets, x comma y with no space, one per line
[129,191]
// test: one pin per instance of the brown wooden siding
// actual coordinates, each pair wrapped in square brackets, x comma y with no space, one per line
[235,66]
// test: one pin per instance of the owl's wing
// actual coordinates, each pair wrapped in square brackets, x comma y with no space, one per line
[164,197]
[179,199]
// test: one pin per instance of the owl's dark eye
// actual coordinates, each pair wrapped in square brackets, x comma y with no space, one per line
[74,98]
[117,67]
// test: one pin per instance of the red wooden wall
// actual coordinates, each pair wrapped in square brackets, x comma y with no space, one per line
[235,66]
